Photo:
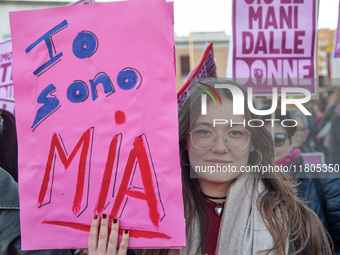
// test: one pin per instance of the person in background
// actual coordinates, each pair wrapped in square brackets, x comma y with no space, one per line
[322,195]
[300,140]
[317,109]
[8,144]
[323,134]
[229,212]
[334,137]
[10,239]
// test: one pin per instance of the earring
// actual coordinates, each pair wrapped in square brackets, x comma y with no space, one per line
[182,161]
[259,161]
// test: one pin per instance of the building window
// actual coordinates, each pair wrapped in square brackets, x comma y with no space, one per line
[185,65]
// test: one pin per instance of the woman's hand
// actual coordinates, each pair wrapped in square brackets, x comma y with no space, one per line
[103,243]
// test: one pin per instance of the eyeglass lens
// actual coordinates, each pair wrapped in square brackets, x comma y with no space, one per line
[235,139]
[279,139]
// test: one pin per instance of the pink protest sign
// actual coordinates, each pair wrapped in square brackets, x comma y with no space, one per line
[206,68]
[6,83]
[97,123]
[274,44]
[314,158]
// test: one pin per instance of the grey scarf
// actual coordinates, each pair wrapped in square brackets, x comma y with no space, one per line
[242,230]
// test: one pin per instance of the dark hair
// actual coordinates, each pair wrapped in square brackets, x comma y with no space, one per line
[8,144]
[261,139]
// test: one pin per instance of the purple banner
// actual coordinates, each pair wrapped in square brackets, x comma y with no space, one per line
[7,104]
[206,68]
[336,48]
[274,44]
[6,83]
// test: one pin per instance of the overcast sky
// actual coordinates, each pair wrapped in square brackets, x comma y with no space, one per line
[215,15]
[192,15]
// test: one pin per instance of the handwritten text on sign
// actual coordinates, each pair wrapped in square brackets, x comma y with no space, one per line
[274,43]
[94,109]
[84,45]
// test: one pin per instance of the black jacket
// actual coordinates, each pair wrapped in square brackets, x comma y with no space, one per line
[10,223]
[322,195]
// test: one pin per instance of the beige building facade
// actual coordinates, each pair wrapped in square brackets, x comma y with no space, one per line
[7,6]
[324,47]
[189,52]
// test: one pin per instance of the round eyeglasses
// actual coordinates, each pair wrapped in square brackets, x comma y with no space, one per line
[205,139]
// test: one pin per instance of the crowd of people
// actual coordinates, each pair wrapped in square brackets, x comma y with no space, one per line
[225,213]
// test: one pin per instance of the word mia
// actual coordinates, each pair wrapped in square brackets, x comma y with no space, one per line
[238,100]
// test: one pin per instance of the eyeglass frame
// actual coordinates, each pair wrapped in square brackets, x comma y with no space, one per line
[225,140]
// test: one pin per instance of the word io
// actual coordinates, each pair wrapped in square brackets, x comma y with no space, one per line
[238,100]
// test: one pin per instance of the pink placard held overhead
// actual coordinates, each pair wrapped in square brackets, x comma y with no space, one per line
[6,83]
[314,158]
[97,123]
[273,44]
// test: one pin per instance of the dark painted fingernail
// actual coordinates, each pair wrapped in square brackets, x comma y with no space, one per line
[95,216]
[104,215]
[115,221]
[126,231]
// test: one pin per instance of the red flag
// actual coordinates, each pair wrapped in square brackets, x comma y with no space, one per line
[206,68]
[80,2]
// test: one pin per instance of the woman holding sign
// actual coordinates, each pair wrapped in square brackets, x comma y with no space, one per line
[229,207]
